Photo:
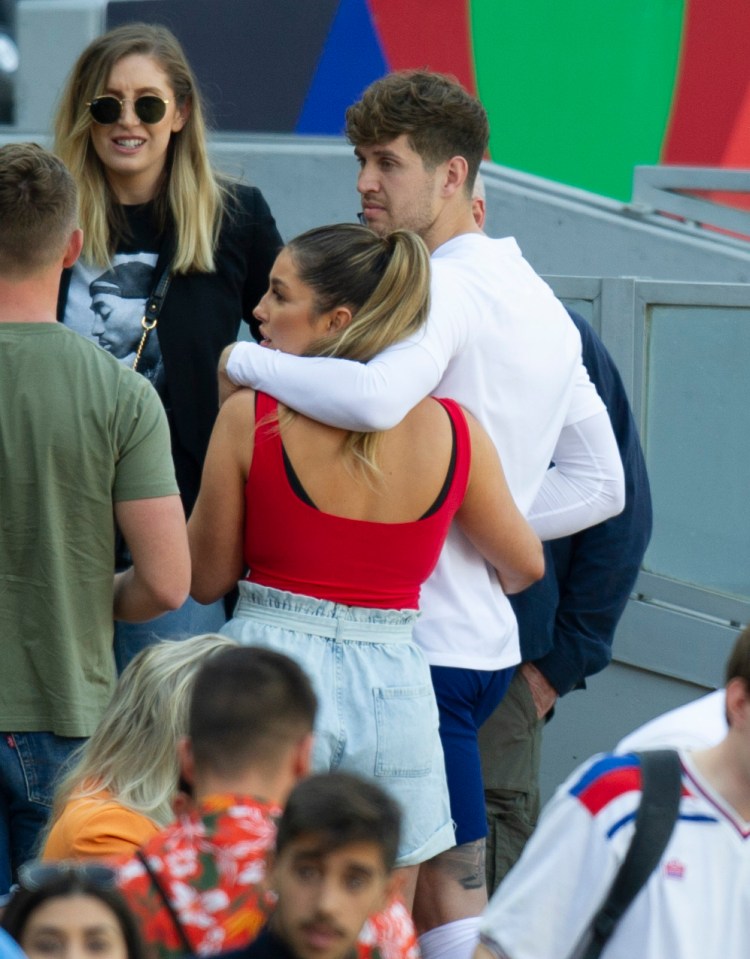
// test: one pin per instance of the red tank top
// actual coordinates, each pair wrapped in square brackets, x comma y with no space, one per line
[293,546]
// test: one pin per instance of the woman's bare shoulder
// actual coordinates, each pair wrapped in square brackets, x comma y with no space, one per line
[429,409]
[238,408]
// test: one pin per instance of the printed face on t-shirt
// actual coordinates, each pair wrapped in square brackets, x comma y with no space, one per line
[116,325]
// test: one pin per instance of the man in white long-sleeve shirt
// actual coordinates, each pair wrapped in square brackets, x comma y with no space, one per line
[499,342]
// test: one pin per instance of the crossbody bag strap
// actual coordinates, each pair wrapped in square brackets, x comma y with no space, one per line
[165,899]
[153,309]
[661,786]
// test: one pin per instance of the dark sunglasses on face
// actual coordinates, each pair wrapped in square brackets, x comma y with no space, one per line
[35,875]
[108,109]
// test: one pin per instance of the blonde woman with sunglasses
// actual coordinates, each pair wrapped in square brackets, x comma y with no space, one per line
[131,129]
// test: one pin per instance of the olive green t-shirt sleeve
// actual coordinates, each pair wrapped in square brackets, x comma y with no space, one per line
[143,464]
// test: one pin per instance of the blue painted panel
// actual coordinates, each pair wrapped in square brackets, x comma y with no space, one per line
[352,57]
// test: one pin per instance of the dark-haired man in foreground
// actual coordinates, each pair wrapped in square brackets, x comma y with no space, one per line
[332,868]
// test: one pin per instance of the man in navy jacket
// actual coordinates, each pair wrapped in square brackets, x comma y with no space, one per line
[567,623]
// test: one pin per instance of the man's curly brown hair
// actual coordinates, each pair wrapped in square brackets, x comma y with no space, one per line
[438,116]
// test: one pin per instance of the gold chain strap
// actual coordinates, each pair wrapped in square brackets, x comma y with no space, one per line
[147,327]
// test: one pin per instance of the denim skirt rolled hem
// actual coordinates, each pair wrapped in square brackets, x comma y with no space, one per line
[377,714]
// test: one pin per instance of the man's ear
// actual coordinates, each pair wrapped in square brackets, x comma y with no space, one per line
[73,249]
[303,757]
[454,178]
[186,759]
[478,211]
[737,702]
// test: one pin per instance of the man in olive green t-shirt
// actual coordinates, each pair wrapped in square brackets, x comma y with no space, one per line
[83,441]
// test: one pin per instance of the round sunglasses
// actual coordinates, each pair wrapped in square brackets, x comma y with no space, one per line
[107,109]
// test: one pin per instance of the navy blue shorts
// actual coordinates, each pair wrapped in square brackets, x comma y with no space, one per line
[466,698]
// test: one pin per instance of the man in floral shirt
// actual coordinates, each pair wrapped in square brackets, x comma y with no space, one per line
[199,886]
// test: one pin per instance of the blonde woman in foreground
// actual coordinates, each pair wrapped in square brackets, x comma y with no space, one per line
[120,792]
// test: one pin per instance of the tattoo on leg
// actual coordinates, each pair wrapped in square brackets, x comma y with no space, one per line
[465,864]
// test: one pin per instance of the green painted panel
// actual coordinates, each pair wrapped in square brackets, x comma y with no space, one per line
[577,90]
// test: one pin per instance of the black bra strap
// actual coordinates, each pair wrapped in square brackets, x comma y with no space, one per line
[301,493]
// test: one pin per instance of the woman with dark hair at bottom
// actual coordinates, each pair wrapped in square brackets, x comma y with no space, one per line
[71,911]
[339,529]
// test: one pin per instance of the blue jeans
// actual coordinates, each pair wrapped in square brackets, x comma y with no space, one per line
[191,619]
[31,765]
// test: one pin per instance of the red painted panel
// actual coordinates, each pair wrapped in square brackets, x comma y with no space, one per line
[712,81]
[737,147]
[426,33]
[737,155]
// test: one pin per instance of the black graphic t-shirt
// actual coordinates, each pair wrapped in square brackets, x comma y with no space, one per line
[107,305]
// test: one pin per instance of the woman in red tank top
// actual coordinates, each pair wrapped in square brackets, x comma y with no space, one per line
[331,533]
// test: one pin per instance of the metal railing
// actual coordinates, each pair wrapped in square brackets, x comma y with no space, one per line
[692,194]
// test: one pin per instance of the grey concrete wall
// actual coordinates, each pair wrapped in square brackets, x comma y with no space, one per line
[563,230]
[51,34]
[307,181]
[593,720]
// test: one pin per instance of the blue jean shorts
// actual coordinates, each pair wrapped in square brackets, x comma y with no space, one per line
[377,714]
